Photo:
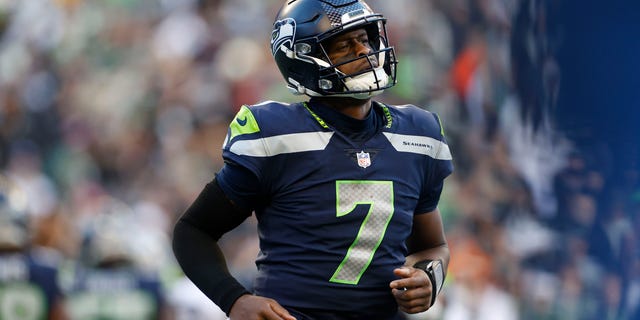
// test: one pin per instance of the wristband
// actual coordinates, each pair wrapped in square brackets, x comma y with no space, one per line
[435,272]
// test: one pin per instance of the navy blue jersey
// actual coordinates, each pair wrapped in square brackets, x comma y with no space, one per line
[334,213]
[116,294]
[28,286]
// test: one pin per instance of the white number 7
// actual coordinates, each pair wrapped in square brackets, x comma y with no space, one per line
[379,196]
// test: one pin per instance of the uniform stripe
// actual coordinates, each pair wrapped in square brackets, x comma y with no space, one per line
[286,143]
[419,144]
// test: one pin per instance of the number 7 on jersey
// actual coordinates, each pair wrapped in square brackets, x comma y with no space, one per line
[379,196]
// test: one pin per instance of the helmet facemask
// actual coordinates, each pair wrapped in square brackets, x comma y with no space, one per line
[365,83]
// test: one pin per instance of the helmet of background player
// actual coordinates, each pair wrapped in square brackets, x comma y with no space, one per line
[299,40]
[14,233]
[108,236]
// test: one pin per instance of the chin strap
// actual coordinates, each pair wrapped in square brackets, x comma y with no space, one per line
[369,82]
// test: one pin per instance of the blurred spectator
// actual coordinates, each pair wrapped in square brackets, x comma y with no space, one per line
[477,295]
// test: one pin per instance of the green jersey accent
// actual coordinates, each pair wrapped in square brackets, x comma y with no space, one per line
[315,116]
[243,123]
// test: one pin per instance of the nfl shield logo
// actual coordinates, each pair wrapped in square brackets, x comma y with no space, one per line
[363,159]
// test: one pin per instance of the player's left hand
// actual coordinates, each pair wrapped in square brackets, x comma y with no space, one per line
[412,291]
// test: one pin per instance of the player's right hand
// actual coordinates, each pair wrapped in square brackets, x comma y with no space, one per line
[250,307]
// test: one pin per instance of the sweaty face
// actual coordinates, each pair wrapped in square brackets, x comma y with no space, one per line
[348,46]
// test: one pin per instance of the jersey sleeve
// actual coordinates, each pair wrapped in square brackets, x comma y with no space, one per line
[244,154]
[239,184]
[441,166]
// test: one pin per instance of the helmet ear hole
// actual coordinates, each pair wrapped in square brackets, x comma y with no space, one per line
[325,84]
[302,48]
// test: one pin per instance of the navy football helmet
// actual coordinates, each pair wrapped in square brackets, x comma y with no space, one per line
[298,44]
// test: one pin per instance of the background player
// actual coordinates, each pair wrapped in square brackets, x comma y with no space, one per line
[28,277]
[108,282]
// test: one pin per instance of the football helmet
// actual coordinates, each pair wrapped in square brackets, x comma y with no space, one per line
[298,44]
[14,233]
[107,236]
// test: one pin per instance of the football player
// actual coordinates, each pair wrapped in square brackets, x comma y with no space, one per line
[28,277]
[107,282]
[345,189]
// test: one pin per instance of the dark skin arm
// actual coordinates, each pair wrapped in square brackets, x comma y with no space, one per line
[427,242]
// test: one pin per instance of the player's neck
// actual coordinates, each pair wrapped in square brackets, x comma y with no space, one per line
[354,108]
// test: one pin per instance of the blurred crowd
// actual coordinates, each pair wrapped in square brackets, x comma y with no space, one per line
[120,107]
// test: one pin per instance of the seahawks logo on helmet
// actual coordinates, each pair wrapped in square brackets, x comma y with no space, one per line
[284,32]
